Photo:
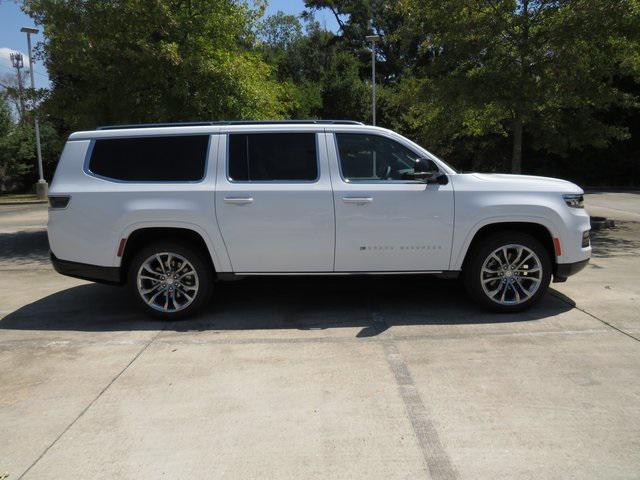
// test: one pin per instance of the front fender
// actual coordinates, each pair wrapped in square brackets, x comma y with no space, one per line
[463,237]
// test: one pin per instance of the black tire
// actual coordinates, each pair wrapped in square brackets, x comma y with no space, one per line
[200,265]
[472,271]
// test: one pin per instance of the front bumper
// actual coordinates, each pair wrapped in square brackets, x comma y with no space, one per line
[93,273]
[565,270]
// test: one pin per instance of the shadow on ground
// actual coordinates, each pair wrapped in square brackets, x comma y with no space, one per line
[304,303]
[622,240]
[27,247]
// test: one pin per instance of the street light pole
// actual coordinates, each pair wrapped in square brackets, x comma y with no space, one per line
[41,186]
[373,39]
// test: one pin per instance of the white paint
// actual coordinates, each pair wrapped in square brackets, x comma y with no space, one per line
[307,227]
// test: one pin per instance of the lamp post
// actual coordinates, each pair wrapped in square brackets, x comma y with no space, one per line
[41,186]
[373,39]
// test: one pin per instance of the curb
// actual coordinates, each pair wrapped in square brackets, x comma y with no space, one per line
[26,202]
[611,189]
[600,223]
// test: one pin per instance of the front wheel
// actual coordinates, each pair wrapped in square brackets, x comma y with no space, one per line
[508,272]
[169,280]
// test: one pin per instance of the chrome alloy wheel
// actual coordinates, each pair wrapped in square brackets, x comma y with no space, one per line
[511,274]
[167,282]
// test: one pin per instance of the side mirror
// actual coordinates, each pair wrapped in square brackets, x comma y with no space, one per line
[424,165]
[428,172]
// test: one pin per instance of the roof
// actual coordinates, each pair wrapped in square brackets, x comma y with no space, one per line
[231,122]
[208,128]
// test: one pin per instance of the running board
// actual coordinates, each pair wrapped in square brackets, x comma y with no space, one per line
[448,274]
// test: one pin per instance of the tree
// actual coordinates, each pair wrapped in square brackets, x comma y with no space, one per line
[15,151]
[122,61]
[18,148]
[280,31]
[12,94]
[484,83]
[537,69]
[322,78]
[397,51]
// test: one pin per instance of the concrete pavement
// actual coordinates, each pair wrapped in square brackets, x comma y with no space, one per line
[387,377]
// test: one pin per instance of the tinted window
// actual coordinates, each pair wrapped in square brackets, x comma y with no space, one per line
[158,159]
[272,156]
[374,158]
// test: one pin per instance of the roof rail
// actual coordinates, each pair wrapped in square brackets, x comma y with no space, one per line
[232,122]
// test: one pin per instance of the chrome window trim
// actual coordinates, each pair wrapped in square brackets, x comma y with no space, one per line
[271,182]
[376,182]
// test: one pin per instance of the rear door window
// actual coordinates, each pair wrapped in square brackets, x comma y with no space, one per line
[272,157]
[179,158]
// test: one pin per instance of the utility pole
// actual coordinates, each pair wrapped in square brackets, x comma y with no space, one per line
[373,39]
[41,187]
[18,63]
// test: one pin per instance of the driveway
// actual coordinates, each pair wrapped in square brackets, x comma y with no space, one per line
[380,377]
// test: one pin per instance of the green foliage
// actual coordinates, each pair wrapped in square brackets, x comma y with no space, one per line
[498,68]
[280,31]
[16,156]
[324,80]
[552,85]
[18,149]
[398,47]
[121,61]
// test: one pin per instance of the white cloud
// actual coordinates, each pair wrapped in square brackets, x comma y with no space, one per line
[41,77]
[5,60]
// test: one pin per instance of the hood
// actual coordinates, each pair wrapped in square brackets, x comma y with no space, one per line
[527,182]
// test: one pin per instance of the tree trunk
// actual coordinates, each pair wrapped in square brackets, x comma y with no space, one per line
[516,158]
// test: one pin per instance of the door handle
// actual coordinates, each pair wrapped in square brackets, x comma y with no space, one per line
[238,200]
[357,200]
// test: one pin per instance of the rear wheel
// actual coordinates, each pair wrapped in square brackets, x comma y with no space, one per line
[508,272]
[169,280]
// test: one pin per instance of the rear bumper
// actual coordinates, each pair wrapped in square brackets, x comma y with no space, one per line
[565,270]
[93,273]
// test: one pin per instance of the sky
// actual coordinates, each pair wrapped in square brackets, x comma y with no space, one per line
[295,7]
[12,39]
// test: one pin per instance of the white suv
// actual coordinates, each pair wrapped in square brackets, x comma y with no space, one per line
[170,208]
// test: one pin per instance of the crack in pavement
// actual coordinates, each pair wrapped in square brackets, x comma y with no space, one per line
[85,409]
[604,322]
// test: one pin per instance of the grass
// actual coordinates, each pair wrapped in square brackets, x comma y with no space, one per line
[17,198]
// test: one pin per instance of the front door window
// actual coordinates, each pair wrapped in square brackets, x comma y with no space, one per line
[372,158]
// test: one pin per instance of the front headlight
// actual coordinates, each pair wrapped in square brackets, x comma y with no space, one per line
[574,200]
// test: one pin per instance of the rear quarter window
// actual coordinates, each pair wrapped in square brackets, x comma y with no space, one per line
[150,159]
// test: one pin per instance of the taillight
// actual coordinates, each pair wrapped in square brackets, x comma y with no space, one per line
[59,201]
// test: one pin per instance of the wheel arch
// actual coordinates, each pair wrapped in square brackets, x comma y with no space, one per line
[138,238]
[539,231]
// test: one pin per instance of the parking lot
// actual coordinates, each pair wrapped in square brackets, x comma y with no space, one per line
[334,377]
